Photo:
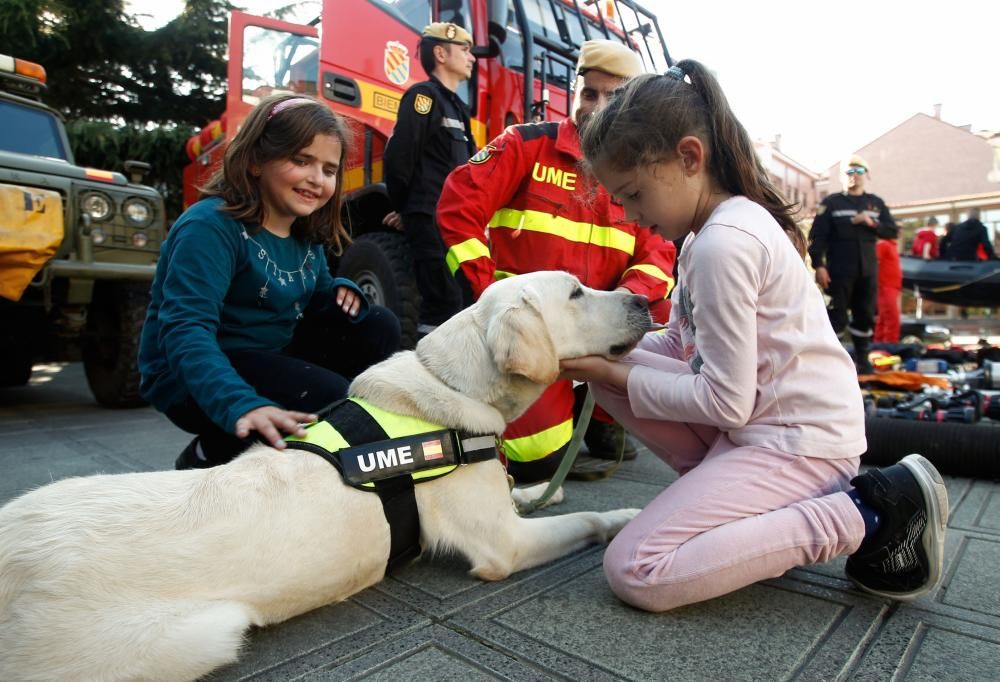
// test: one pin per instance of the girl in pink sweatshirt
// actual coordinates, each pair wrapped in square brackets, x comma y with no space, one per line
[747,394]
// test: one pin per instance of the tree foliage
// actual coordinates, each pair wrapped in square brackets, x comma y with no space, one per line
[102,65]
[128,93]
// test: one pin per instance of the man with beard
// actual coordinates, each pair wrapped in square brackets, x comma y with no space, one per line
[523,204]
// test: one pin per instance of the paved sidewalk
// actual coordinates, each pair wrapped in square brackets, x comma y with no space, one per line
[560,622]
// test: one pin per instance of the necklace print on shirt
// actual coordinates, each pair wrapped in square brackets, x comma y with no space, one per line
[283,277]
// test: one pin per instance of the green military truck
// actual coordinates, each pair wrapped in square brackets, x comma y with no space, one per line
[78,248]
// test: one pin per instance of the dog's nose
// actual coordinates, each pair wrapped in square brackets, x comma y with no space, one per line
[638,302]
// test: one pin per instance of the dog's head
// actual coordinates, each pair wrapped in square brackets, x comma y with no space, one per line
[533,321]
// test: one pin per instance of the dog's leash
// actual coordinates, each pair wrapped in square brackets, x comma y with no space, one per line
[572,450]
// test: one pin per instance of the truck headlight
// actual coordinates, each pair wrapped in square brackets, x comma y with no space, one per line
[96,205]
[137,212]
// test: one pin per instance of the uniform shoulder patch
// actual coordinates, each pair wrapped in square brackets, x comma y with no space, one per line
[821,209]
[483,155]
[422,104]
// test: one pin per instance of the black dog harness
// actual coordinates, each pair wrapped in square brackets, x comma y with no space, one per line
[386,453]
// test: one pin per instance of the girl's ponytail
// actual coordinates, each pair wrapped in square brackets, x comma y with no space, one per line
[734,160]
[644,122]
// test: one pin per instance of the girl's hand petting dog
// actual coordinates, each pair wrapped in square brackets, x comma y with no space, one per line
[597,369]
[270,421]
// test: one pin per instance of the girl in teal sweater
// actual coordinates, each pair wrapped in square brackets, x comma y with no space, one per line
[247,333]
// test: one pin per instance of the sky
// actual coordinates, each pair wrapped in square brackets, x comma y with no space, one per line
[829,78]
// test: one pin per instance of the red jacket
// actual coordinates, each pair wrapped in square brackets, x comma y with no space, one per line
[922,238]
[890,276]
[544,213]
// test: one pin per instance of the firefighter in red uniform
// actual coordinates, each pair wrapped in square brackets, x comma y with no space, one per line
[523,204]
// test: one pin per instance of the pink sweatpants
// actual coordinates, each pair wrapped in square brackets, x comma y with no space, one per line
[736,515]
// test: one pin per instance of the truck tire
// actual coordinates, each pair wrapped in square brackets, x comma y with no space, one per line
[379,263]
[111,342]
[15,370]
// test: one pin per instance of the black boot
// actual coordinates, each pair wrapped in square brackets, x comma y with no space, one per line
[603,440]
[861,362]
[189,459]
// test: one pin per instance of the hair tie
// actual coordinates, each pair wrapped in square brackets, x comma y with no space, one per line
[675,73]
[287,104]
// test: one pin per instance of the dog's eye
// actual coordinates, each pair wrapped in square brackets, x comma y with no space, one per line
[577,293]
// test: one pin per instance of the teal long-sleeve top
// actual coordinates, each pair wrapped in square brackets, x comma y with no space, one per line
[220,287]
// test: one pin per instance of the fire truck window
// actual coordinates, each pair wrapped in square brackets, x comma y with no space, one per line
[27,130]
[278,62]
[457,12]
[414,13]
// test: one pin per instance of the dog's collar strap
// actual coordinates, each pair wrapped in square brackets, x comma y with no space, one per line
[381,452]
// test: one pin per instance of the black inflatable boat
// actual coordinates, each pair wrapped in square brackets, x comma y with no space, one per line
[965,283]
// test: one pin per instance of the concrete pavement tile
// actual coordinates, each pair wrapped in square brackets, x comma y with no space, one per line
[917,645]
[975,566]
[319,639]
[441,586]
[432,653]
[577,628]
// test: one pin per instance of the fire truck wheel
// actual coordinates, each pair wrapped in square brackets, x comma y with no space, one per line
[15,370]
[379,263]
[111,342]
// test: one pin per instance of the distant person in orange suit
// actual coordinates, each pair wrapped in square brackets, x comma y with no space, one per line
[890,284]
[925,245]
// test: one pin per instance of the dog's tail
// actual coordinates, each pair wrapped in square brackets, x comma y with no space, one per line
[164,640]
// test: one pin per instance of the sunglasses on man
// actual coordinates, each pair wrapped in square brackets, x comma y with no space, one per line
[857,170]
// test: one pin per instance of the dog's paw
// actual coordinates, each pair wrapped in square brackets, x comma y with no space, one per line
[615,520]
[526,499]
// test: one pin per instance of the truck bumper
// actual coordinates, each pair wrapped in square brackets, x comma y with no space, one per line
[82,270]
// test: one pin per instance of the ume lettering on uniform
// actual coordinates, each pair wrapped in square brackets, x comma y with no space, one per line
[385,459]
[554,176]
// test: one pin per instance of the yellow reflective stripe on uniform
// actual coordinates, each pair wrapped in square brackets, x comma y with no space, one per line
[396,425]
[570,230]
[538,445]
[324,435]
[654,271]
[470,249]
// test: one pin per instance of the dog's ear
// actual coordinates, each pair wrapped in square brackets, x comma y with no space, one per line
[520,342]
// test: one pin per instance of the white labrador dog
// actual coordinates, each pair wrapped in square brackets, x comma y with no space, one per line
[158,575]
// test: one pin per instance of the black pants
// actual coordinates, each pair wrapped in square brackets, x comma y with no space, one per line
[857,294]
[440,297]
[326,352]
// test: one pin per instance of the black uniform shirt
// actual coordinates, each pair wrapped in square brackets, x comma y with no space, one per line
[432,136]
[965,238]
[843,248]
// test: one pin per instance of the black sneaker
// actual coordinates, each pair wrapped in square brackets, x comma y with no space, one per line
[904,558]
[189,459]
[603,441]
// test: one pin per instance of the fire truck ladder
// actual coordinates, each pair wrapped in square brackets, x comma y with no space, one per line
[638,24]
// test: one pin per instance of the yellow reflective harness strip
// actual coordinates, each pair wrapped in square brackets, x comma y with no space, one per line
[323,435]
[570,230]
[538,445]
[470,249]
[654,271]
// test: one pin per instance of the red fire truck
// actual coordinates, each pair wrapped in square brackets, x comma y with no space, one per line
[360,56]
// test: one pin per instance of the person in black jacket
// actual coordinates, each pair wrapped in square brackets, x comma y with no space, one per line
[968,238]
[432,136]
[842,250]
